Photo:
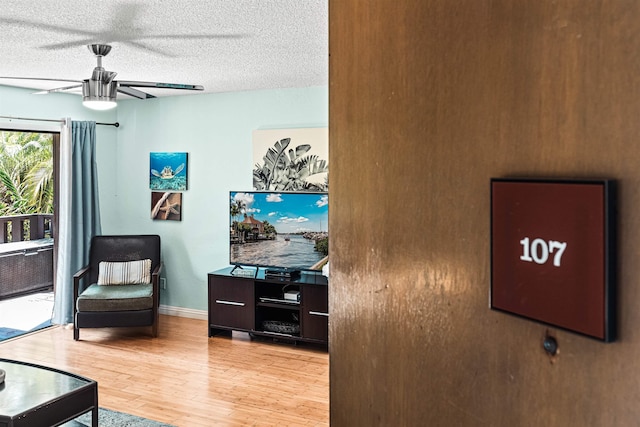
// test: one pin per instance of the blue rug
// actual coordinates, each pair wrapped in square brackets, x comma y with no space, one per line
[6,333]
[109,418]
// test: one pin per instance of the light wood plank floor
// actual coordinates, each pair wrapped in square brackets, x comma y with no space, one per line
[187,379]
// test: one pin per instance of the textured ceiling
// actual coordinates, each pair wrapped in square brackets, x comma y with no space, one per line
[224,45]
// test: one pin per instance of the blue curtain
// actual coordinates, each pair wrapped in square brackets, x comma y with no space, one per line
[79,217]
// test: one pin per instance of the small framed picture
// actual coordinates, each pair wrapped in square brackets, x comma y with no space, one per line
[168,171]
[166,206]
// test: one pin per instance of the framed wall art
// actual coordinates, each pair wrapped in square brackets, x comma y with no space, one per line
[166,206]
[168,171]
[291,159]
[553,253]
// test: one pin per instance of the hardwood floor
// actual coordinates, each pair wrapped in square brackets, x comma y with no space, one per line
[187,379]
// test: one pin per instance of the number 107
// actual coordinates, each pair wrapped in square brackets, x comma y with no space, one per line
[538,251]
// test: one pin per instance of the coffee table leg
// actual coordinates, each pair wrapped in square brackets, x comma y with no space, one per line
[94,412]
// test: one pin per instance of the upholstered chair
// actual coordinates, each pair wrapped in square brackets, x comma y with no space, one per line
[119,287]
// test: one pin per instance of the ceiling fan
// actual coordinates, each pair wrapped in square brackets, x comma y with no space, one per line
[100,90]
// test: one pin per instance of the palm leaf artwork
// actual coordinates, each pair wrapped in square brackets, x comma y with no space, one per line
[275,160]
[289,170]
[260,177]
[314,165]
[300,151]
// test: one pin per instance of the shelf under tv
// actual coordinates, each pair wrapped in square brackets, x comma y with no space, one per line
[278,301]
[281,274]
[246,303]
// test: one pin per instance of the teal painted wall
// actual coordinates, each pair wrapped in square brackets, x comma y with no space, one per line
[215,130]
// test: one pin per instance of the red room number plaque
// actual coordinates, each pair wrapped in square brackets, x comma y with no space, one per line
[552,253]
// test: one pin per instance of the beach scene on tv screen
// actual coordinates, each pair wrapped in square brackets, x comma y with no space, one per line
[288,230]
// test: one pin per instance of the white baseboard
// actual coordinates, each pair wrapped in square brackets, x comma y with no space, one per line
[183,312]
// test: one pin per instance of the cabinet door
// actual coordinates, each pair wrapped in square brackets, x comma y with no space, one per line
[315,316]
[231,303]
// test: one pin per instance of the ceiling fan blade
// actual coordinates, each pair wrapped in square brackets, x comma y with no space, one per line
[192,36]
[134,92]
[128,83]
[65,45]
[147,47]
[41,79]
[45,26]
[58,89]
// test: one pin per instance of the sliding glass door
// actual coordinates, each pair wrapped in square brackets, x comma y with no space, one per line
[28,205]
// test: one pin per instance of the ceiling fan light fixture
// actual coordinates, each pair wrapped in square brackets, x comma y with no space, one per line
[98,95]
[99,104]
[99,92]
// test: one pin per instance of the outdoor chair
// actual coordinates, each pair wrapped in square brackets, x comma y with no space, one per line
[119,287]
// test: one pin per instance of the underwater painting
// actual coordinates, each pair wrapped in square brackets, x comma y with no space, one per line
[166,206]
[168,171]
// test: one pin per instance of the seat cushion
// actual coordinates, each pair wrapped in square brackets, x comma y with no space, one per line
[116,298]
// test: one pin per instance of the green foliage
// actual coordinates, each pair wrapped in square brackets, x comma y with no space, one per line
[269,229]
[236,207]
[26,173]
[322,246]
[244,230]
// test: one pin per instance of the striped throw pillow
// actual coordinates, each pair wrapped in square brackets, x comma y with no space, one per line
[124,273]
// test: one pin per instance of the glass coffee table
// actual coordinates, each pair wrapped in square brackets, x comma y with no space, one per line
[38,396]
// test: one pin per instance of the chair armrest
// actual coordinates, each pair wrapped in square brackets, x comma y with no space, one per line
[156,271]
[76,280]
[155,281]
[155,276]
[80,274]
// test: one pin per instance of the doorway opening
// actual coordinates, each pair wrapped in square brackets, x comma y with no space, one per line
[28,200]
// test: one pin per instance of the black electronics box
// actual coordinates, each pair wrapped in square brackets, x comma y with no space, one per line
[281,274]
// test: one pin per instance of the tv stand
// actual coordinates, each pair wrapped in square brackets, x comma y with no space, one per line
[258,305]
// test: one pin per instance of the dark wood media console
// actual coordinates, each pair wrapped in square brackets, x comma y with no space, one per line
[257,305]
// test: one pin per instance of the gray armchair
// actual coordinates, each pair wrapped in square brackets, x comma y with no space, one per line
[103,295]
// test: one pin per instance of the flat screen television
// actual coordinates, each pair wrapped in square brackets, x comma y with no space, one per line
[279,230]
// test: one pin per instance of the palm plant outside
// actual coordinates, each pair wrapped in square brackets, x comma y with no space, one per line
[26,173]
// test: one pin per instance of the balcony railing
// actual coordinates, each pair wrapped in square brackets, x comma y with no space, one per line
[20,228]
[26,254]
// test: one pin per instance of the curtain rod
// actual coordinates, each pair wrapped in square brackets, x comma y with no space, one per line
[116,124]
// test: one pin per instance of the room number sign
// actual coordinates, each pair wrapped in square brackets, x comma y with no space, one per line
[539,251]
[552,253]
